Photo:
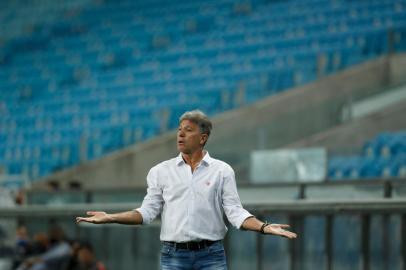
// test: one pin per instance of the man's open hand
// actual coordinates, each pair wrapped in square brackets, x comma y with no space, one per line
[279,229]
[95,217]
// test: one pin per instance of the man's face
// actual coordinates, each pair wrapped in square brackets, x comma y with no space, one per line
[189,137]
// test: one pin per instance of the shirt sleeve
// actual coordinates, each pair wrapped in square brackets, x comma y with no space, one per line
[233,209]
[152,204]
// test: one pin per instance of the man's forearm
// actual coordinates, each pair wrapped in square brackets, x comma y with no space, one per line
[99,217]
[252,224]
[130,218]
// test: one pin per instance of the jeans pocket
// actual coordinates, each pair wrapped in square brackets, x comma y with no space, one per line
[217,248]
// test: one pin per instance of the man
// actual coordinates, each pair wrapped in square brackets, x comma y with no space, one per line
[86,259]
[193,191]
[56,255]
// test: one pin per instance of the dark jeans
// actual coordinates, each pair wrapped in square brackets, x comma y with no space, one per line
[209,258]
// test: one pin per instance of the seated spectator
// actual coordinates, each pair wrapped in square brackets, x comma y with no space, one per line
[40,244]
[23,246]
[56,257]
[73,262]
[86,259]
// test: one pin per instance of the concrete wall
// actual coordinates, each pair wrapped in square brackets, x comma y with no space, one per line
[273,122]
[397,65]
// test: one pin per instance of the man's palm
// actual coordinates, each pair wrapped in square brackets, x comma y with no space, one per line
[279,229]
[96,217]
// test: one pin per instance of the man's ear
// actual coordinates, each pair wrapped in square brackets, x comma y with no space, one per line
[203,139]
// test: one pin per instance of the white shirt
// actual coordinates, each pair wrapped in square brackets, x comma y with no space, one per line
[192,204]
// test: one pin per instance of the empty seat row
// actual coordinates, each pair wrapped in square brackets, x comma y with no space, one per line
[383,156]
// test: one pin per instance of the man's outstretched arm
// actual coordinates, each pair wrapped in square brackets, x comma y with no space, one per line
[241,218]
[150,208]
[97,217]
[253,224]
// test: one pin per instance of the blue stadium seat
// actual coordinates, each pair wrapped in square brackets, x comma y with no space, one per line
[383,156]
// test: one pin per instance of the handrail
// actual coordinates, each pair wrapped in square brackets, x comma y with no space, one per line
[372,181]
[296,207]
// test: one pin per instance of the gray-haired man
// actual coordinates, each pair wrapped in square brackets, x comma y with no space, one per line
[193,191]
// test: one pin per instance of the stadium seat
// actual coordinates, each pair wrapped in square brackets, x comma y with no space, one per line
[383,156]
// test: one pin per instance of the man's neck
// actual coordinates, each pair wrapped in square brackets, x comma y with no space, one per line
[193,159]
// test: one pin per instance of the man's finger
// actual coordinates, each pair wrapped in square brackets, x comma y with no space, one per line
[286,234]
[79,219]
[83,219]
[91,213]
[290,235]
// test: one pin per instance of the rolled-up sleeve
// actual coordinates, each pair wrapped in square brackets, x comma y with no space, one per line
[152,204]
[233,209]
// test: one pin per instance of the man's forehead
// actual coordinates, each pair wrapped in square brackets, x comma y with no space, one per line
[187,123]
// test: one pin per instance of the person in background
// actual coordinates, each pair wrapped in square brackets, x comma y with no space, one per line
[23,246]
[73,261]
[40,244]
[86,259]
[56,256]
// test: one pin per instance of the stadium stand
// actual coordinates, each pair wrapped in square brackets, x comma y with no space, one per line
[80,79]
[84,78]
[382,157]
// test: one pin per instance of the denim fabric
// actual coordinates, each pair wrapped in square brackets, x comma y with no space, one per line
[210,258]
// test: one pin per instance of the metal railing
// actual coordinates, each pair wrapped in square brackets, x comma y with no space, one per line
[293,203]
[295,211]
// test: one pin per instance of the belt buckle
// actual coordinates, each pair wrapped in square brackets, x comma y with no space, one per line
[193,245]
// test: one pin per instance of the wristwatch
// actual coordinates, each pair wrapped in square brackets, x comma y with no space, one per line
[263,227]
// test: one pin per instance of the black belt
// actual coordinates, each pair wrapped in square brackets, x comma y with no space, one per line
[194,245]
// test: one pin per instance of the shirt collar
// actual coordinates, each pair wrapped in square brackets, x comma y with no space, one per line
[206,159]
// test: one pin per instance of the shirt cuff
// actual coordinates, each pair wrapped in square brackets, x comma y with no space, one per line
[145,218]
[242,218]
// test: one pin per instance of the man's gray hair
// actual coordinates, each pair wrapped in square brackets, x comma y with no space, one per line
[200,119]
